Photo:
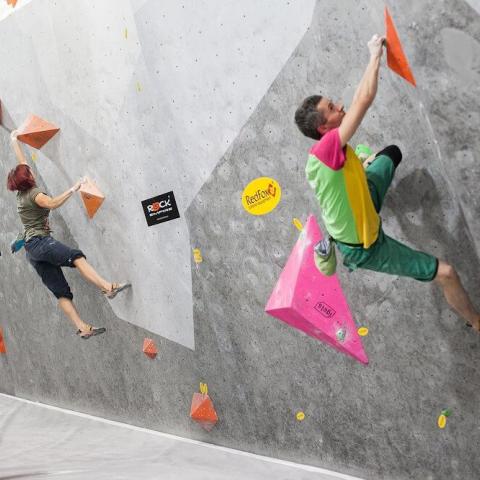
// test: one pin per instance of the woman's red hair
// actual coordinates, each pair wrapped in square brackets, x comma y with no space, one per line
[20,178]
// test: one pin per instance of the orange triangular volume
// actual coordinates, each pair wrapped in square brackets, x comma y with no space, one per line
[36,132]
[3,348]
[396,59]
[202,411]
[149,348]
[92,197]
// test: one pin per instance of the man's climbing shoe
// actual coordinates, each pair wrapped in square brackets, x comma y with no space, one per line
[91,332]
[324,256]
[116,288]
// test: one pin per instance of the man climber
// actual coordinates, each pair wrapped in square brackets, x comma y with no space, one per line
[351,197]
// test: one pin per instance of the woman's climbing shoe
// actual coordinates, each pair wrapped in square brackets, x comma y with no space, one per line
[90,332]
[116,288]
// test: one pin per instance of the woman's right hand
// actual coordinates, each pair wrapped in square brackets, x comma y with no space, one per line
[77,186]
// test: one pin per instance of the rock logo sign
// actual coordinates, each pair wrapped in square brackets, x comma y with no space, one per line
[261,196]
[161,208]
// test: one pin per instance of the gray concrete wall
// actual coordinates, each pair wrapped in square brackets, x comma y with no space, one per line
[199,99]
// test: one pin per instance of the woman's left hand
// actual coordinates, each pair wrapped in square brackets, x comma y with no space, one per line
[13,135]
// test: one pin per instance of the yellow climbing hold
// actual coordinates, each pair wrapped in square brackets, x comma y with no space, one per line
[203,388]
[125,32]
[363,331]
[442,421]
[197,255]
[298,224]
[139,87]
[34,156]
[300,416]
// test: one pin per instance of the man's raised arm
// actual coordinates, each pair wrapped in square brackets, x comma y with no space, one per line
[366,91]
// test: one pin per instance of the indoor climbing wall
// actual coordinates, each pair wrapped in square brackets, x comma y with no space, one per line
[181,116]
[118,84]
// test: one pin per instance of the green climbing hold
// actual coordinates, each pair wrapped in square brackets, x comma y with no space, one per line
[341,334]
[363,152]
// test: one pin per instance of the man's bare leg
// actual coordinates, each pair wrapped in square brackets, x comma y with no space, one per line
[71,312]
[456,295]
[89,273]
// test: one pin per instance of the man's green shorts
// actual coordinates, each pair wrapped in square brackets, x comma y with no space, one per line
[386,254]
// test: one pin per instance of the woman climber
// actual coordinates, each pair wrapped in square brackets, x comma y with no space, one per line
[46,254]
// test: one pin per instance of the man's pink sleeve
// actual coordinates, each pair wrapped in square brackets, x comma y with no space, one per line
[329,150]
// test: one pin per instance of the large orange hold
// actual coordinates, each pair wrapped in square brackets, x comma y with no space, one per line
[202,411]
[3,348]
[149,348]
[12,2]
[396,58]
[36,132]
[92,197]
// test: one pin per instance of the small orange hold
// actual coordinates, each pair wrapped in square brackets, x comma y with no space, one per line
[149,348]
[3,348]
[202,411]
[36,131]
[92,197]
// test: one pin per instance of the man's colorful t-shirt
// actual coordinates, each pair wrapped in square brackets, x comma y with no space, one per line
[338,178]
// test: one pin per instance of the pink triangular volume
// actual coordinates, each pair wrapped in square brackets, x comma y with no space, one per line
[308,300]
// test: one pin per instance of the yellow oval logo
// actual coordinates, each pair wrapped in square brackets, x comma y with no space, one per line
[261,196]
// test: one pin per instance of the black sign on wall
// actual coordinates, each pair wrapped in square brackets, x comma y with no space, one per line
[161,208]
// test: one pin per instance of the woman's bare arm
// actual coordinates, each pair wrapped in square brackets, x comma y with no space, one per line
[17,149]
[45,201]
